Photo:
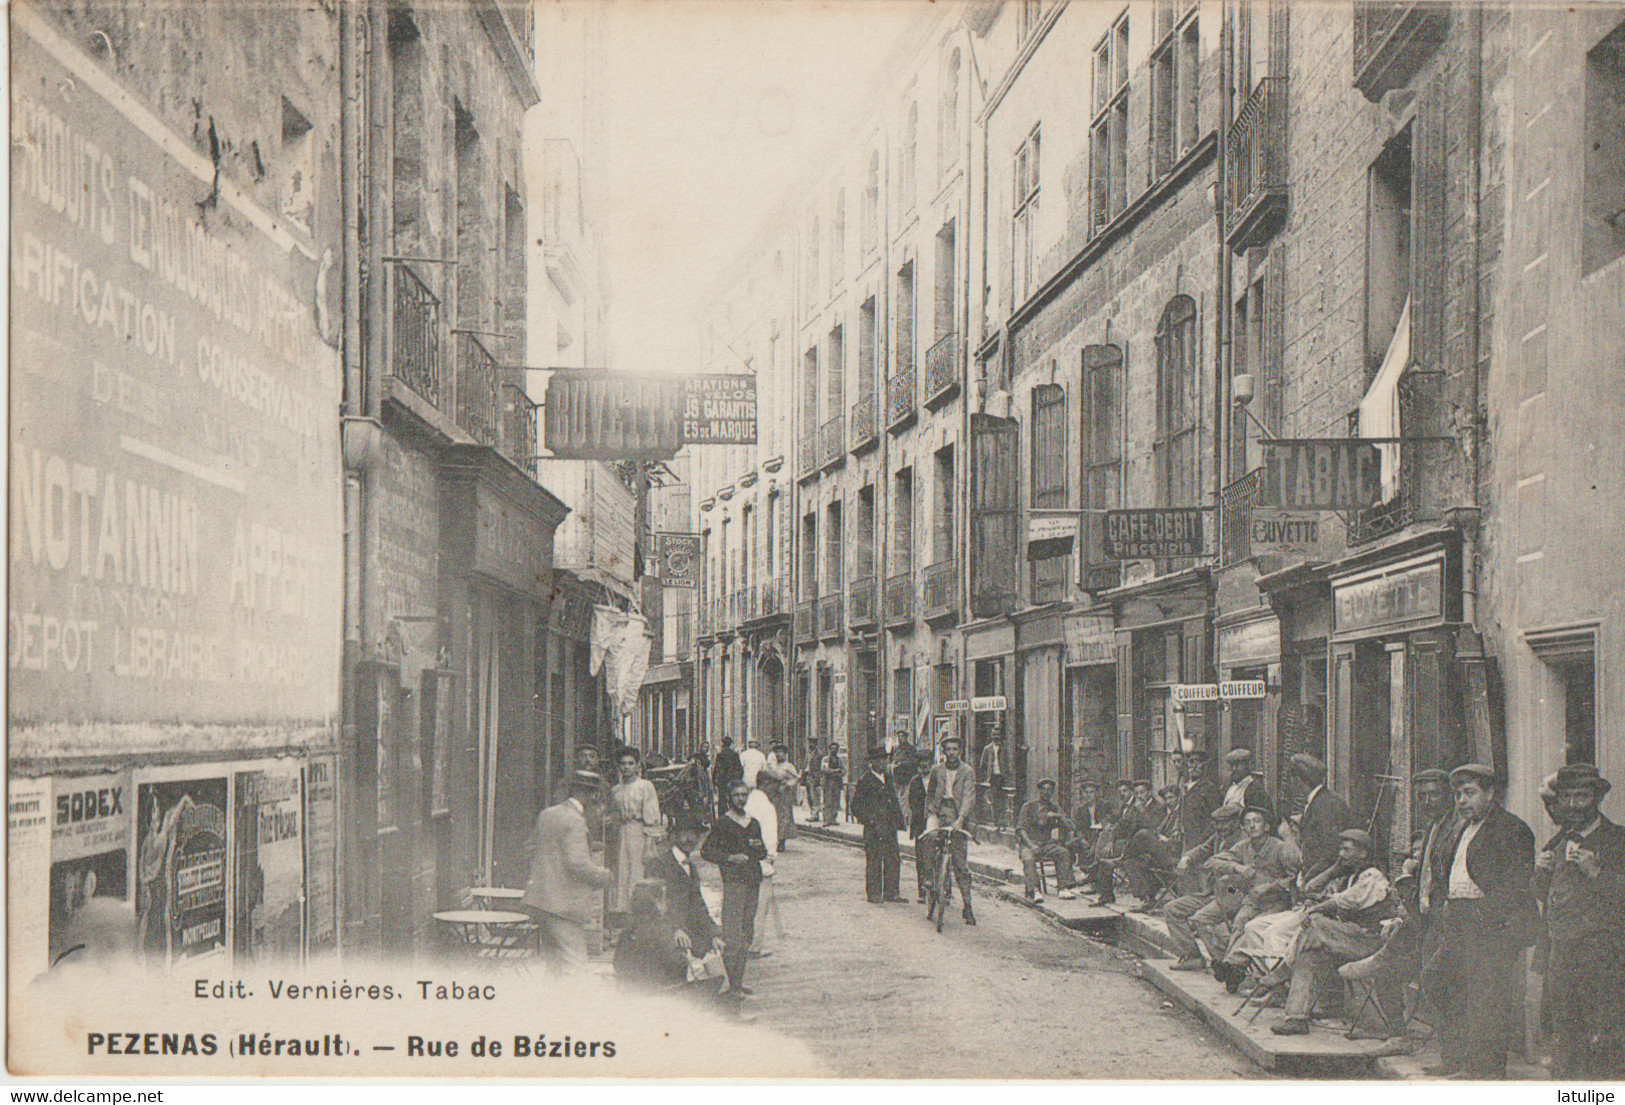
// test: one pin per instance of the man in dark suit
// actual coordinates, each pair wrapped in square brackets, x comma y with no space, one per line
[1246,789]
[725,772]
[1580,874]
[1198,799]
[1325,816]
[874,803]
[674,866]
[910,787]
[1486,919]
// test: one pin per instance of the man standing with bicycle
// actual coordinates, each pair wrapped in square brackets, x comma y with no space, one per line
[945,844]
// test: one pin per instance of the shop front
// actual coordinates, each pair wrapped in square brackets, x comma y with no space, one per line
[1248,646]
[1396,687]
[1039,739]
[1088,750]
[990,658]
[1162,629]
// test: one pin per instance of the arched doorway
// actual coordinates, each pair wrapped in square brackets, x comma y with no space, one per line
[771,722]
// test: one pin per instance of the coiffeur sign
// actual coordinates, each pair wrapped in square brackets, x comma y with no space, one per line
[623,415]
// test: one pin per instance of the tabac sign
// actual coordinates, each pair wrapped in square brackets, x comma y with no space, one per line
[621,415]
[1334,473]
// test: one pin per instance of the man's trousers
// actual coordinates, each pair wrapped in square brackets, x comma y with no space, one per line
[1178,913]
[1059,854]
[739,901]
[1475,981]
[880,863]
[1324,944]
[1149,863]
[832,798]
[564,943]
[1585,994]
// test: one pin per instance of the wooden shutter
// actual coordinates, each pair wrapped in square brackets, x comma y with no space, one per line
[1272,373]
[1280,37]
[995,472]
[1428,263]
[1125,704]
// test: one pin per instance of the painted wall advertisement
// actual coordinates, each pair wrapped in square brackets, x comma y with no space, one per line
[175,472]
[181,859]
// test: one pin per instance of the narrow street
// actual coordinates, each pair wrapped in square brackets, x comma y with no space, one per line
[875,992]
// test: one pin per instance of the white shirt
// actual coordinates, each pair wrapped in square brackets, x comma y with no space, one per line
[1237,794]
[759,807]
[1312,794]
[1461,883]
[752,760]
[682,860]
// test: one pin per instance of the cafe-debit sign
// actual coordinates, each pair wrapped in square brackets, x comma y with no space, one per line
[632,416]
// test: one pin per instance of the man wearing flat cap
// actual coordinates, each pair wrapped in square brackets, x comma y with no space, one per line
[1246,789]
[1325,816]
[563,891]
[1042,831]
[1581,875]
[1343,926]
[1486,919]
[1182,913]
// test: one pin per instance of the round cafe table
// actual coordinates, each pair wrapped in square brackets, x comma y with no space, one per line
[486,933]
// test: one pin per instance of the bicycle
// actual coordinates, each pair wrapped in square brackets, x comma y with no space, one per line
[940,891]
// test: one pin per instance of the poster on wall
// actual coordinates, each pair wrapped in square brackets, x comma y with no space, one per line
[321,851]
[268,922]
[180,905]
[28,859]
[90,917]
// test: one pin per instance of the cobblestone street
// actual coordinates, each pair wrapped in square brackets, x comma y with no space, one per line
[875,992]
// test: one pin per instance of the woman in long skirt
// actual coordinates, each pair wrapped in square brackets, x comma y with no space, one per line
[635,807]
[786,778]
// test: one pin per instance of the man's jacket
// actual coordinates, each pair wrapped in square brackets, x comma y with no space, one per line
[1323,819]
[564,880]
[874,802]
[1501,862]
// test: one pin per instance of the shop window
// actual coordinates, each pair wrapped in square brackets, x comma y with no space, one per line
[1603,220]
[942,514]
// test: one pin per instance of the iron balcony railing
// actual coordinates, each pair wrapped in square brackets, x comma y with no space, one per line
[477,390]
[861,604]
[832,442]
[865,428]
[771,602]
[745,605]
[1236,504]
[902,400]
[1392,40]
[1257,160]
[900,601]
[829,617]
[805,622]
[417,334]
[807,455]
[519,427]
[942,370]
[941,586]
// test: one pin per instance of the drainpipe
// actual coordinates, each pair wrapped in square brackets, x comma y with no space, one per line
[1224,352]
[972,80]
[1475,76]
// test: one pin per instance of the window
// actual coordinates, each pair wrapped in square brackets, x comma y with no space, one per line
[945,273]
[995,488]
[1388,248]
[1048,473]
[904,353]
[836,404]
[1102,453]
[903,523]
[837,242]
[809,557]
[1025,212]
[908,154]
[1175,445]
[1174,80]
[834,550]
[948,116]
[1108,135]
[863,549]
[747,562]
[809,391]
[871,205]
[1567,702]
[1603,225]
[406,64]
[866,349]
[942,513]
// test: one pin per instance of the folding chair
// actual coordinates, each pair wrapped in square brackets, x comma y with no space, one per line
[1260,968]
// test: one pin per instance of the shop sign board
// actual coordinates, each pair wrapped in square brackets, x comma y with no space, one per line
[597,415]
[1090,639]
[175,479]
[988,704]
[1150,534]
[1334,473]
[956,705]
[1299,533]
[1397,598]
[678,557]
[1242,688]
[1195,692]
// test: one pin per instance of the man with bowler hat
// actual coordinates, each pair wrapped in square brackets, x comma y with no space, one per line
[1581,874]
[1325,816]
[875,805]
[1487,918]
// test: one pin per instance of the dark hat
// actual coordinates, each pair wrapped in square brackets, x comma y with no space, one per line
[1196,754]
[1142,783]
[586,780]
[1239,756]
[1230,812]
[1358,836]
[1306,766]
[1168,790]
[687,822]
[1267,814]
[1582,775]
[1125,782]
[1431,775]
[1041,782]
[1479,772]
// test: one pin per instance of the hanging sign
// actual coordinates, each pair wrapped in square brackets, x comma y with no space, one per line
[623,415]
[1242,688]
[678,557]
[988,704]
[1144,534]
[1295,533]
[1195,692]
[956,705]
[1334,473]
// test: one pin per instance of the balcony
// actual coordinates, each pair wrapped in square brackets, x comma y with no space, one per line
[830,625]
[861,604]
[519,427]
[902,400]
[1236,504]
[807,457]
[832,442]
[770,600]
[941,584]
[942,371]
[1257,160]
[476,390]
[900,601]
[702,615]
[417,334]
[805,619]
[744,605]
[865,425]
[1392,40]
[510,26]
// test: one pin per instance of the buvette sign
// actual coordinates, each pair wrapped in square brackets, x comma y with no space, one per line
[622,415]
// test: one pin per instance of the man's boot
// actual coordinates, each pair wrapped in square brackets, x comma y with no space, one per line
[1190,963]
[970,918]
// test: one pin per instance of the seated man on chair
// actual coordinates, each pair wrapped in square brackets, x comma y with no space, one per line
[1041,832]
[1215,902]
[1264,866]
[1148,858]
[1342,927]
